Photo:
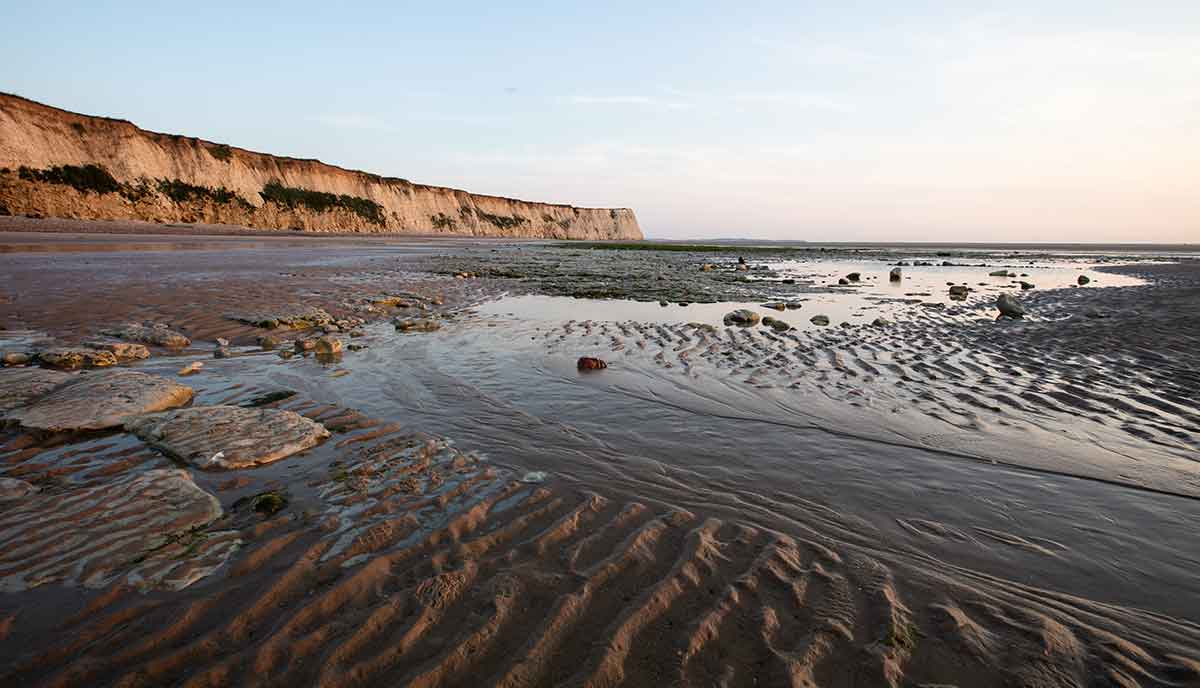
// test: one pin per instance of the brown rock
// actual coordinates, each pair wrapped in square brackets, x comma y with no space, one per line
[97,401]
[228,436]
[328,345]
[589,363]
[157,334]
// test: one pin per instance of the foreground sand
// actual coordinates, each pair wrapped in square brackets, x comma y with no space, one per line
[403,558]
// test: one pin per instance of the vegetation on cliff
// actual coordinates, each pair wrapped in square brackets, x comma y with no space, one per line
[84,179]
[320,201]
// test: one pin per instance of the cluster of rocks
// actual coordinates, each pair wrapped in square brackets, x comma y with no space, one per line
[92,354]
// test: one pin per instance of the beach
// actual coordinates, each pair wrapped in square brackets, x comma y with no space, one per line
[867,479]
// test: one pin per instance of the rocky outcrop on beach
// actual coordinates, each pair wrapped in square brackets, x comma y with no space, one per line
[228,436]
[101,400]
[55,163]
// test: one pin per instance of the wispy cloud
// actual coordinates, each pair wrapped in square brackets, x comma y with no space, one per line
[636,100]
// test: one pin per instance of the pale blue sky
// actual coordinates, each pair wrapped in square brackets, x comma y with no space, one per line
[866,121]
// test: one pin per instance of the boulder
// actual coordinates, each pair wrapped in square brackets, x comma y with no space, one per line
[959,291]
[821,320]
[268,343]
[880,322]
[124,351]
[1027,285]
[69,358]
[854,277]
[742,317]
[1001,273]
[417,325]
[1010,307]
[589,363]
[1083,279]
[328,345]
[779,325]
[775,305]
[102,400]
[895,275]
[214,437]
[843,281]
[154,334]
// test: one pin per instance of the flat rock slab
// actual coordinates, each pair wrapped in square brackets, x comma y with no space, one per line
[228,436]
[155,334]
[101,400]
[20,386]
[138,527]
[296,316]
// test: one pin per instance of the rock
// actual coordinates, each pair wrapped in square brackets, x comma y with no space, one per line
[1083,279]
[191,368]
[793,305]
[66,358]
[228,436]
[821,320]
[303,345]
[1027,285]
[222,352]
[742,317]
[775,305]
[779,325]
[1001,273]
[222,342]
[141,527]
[767,320]
[355,334]
[1010,307]
[295,316]
[534,477]
[20,387]
[895,275]
[353,346]
[154,334]
[742,267]
[1095,313]
[881,322]
[417,325]
[268,343]
[328,345]
[98,401]
[741,260]
[959,291]
[707,267]
[854,277]
[11,488]
[15,358]
[843,281]
[589,363]
[124,351]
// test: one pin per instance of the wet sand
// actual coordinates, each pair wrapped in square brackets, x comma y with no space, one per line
[945,500]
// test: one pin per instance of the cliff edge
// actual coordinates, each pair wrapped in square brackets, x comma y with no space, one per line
[60,164]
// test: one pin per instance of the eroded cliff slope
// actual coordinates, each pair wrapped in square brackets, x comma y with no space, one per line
[61,164]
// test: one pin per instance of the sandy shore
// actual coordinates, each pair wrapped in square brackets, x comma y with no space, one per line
[944,500]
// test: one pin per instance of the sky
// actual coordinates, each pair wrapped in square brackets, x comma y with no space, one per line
[864,121]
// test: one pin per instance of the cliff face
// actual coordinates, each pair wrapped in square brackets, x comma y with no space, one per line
[61,164]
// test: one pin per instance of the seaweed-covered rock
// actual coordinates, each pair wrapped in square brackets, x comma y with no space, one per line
[742,317]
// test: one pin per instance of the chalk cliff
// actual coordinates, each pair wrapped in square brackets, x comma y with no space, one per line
[60,164]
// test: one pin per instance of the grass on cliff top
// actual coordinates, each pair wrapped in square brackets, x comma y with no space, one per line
[320,201]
